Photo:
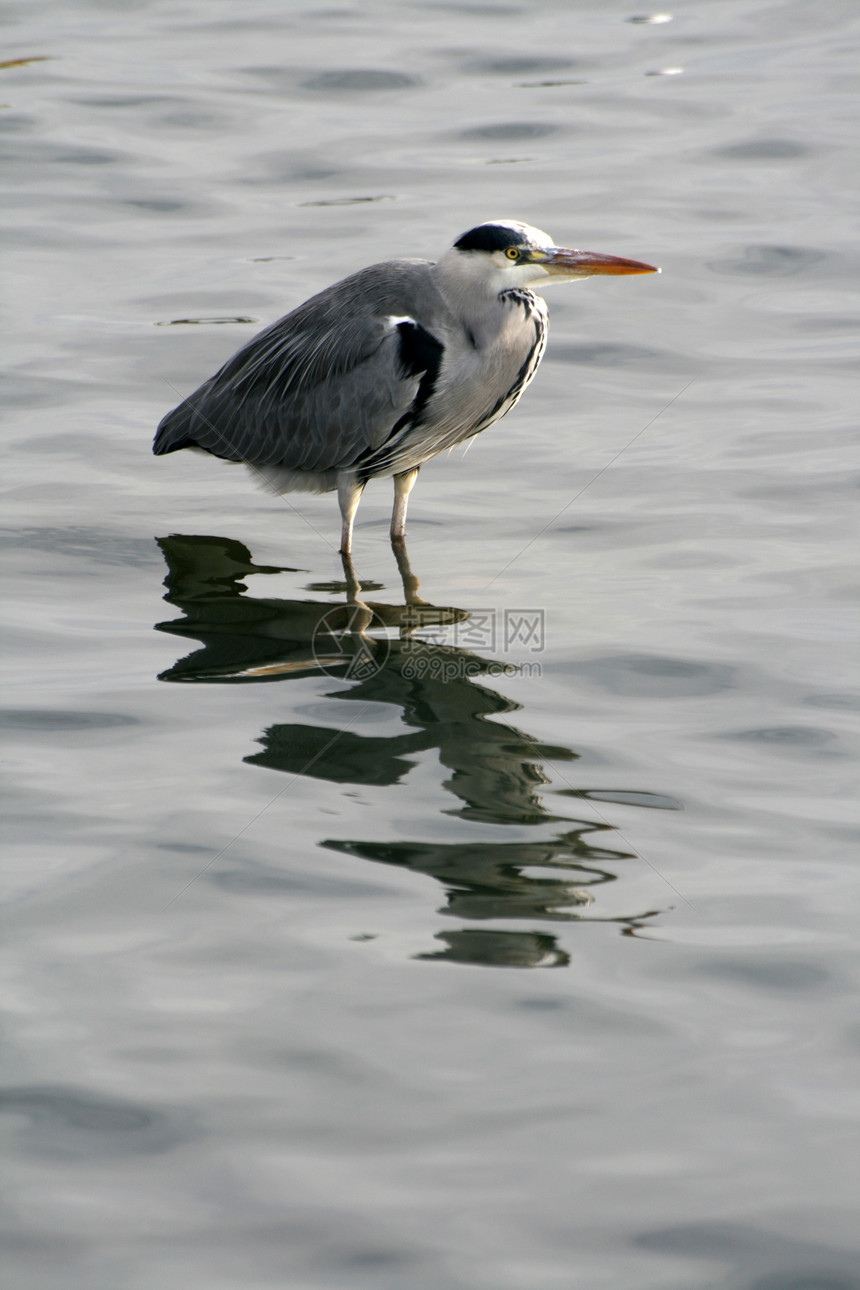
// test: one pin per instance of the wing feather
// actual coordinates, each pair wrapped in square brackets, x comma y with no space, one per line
[326,385]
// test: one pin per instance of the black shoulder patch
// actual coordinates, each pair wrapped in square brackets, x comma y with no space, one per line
[420,355]
[419,351]
[490,237]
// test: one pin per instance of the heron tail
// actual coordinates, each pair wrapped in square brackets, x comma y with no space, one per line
[172,433]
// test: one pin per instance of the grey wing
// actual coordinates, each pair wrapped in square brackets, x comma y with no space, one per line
[323,388]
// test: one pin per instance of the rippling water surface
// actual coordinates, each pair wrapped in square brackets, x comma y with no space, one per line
[512,942]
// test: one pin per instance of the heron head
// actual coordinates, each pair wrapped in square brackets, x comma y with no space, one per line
[506,254]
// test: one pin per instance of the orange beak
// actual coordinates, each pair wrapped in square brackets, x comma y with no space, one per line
[562,263]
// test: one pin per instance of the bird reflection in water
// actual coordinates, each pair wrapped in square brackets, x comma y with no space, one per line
[496,771]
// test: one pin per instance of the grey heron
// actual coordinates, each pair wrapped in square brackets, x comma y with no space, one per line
[382,371]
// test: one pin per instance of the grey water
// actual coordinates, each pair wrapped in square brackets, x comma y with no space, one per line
[513,940]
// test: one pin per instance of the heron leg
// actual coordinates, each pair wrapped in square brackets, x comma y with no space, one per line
[360,614]
[403,485]
[409,579]
[349,491]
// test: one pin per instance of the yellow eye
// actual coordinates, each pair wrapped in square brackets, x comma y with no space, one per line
[512,253]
